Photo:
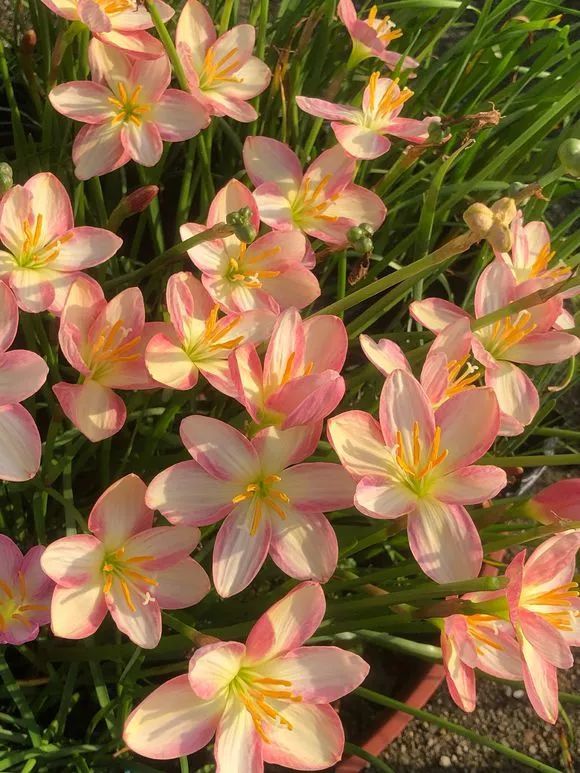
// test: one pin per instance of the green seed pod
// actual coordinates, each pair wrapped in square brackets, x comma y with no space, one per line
[241,222]
[6,179]
[569,155]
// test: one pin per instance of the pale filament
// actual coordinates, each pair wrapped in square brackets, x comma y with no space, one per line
[388,102]
[383,27]
[220,71]
[476,625]
[561,597]
[543,259]
[240,269]
[506,333]
[253,692]
[307,204]
[130,578]
[15,607]
[462,375]
[262,493]
[416,465]
[32,252]
[127,106]
[107,350]
[116,6]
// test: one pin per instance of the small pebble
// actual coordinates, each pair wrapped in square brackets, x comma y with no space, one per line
[533,749]
[518,694]
[445,761]
[508,691]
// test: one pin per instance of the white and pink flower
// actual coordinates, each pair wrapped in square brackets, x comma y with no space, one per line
[267,701]
[271,504]
[45,252]
[125,566]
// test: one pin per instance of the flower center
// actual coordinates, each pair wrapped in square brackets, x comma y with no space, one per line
[112,347]
[562,597]
[131,580]
[476,626]
[127,107]
[415,464]
[507,332]
[255,692]
[385,28]
[263,492]
[33,253]
[221,71]
[380,109]
[462,375]
[312,202]
[13,606]
[241,269]
[116,6]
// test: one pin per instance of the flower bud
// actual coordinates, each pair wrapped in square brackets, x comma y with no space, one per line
[492,223]
[569,155]
[6,179]
[479,218]
[558,502]
[241,222]
[131,204]
[360,238]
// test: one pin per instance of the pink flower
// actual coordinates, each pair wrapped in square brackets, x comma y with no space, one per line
[129,110]
[372,37]
[45,252]
[106,343]
[446,371]
[25,593]
[271,273]
[125,566]
[300,381]
[525,337]
[267,701]
[481,641]
[270,503]
[556,503]
[362,132]
[221,72]
[120,23]
[323,202]
[199,341]
[545,612]
[420,463]
[529,261]
[22,373]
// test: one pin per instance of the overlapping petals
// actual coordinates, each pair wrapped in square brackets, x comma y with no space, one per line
[323,202]
[266,701]
[221,72]
[299,382]
[128,109]
[272,273]
[45,252]
[105,343]
[418,462]
[270,503]
[25,592]
[22,373]
[126,567]
[363,132]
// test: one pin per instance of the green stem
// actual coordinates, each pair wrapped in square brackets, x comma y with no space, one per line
[529,535]
[99,199]
[165,38]
[567,434]
[536,460]
[218,231]
[407,646]
[356,751]
[19,699]
[198,638]
[482,740]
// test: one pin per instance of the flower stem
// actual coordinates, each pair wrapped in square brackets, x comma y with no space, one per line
[535,460]
[168,45]
[482,740]
[14,691]
[407,646]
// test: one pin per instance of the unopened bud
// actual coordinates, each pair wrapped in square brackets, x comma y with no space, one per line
[131,204]
[28,42]
[6,179]
[492,223]
[360,238]
[241,222]
[569,155]
[558,502]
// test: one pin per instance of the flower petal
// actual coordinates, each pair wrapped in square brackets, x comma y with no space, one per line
[77,612]
[470,485]
[120,512]
[74,561]
[11,560]
[20,445]
[172,722]
[357,439]
[359,141]
[213,667]
[435,313]
[544,348]
[516,394]
[84,247]
[279,448]
[460,677]
[267,160]
[140,621]
[178,116]
[237,745]
[318,487]
[82,101]
[325,342]
[304,545]
[8,317]
[541,682]
[406,414]
[221,450]
[287,624]
[22,374]
[169,364]
[95,410]
[142,142]
[383,498]
[444,541]
[195,29]
[161,547]
[385,355]
[98,150]
[182,585]
[328,110]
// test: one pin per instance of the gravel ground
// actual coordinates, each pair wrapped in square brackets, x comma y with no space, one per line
[503,714]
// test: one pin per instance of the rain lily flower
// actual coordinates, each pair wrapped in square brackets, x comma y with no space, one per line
[556,503]
[300,381]
[119,23]
[199,341]
[125,566]
[522,338]
[271,273]
[221,72]
[267,701]
[22,373]
[545,612]
[322,202]
[270,503]
[420,463]
[106,343]
[45,253]
[372,36]
[362,131]
[128,110]
[25,593]
[447,369]
[481,641]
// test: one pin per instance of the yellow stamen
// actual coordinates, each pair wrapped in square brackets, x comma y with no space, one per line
[6,589]
[127,595]
[288,369]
